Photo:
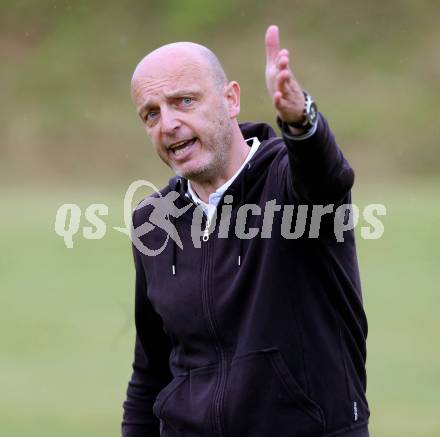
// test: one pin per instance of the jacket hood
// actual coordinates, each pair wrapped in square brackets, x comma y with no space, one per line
[261,130]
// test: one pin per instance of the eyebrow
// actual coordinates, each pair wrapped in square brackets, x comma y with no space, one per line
[182,92]
[170,95]
[146,105]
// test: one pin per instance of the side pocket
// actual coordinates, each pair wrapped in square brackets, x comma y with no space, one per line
[184,404]
[297,394]
[166,393]
[263,397]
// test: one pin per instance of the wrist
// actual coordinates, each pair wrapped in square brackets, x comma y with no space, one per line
[295,134]
[294,130]
[308,119]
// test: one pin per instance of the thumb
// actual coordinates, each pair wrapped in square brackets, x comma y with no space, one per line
[272,42]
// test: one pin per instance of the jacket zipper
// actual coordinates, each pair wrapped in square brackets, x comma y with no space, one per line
[219,391]
[208,306]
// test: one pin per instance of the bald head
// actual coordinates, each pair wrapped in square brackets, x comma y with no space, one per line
[183,52]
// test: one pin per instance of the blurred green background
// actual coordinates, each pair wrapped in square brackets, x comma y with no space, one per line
[69,134]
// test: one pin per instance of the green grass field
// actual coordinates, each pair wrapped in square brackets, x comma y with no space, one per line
[66,324]
[66,327]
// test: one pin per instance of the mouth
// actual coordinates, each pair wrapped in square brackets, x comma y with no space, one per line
[182,148]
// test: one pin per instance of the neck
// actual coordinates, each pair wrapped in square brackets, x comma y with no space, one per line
[237,155]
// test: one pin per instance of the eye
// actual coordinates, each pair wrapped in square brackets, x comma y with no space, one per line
[151,115]
[187,101]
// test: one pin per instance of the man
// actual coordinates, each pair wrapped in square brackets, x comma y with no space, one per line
[243,335]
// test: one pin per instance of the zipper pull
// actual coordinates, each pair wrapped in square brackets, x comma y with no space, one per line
[205,236]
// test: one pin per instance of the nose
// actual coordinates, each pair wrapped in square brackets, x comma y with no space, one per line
[169,122]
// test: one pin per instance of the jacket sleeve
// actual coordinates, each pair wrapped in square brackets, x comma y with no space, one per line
[150,367]
[318,172]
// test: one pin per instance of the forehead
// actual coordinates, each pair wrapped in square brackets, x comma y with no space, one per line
[161,77]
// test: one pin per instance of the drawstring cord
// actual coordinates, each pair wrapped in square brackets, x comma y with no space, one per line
[174,249]
[242,198]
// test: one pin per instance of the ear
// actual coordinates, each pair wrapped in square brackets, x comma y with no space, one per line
[232,98]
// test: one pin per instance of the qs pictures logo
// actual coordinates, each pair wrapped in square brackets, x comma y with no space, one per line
[297,221]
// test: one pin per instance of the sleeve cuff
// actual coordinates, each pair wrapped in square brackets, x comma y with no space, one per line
[293,137]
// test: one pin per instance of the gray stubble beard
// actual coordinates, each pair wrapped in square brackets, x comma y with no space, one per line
[220,152]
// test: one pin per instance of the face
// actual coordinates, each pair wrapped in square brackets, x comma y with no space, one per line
[185,114]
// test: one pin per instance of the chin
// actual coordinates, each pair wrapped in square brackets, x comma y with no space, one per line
[195,173]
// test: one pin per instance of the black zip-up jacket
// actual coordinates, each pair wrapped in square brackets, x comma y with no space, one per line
[253,337]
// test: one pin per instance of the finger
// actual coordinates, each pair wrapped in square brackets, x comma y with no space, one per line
[283,81]
[279,102]
[283,62]
[283,53]
[277,97]
[272,42]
